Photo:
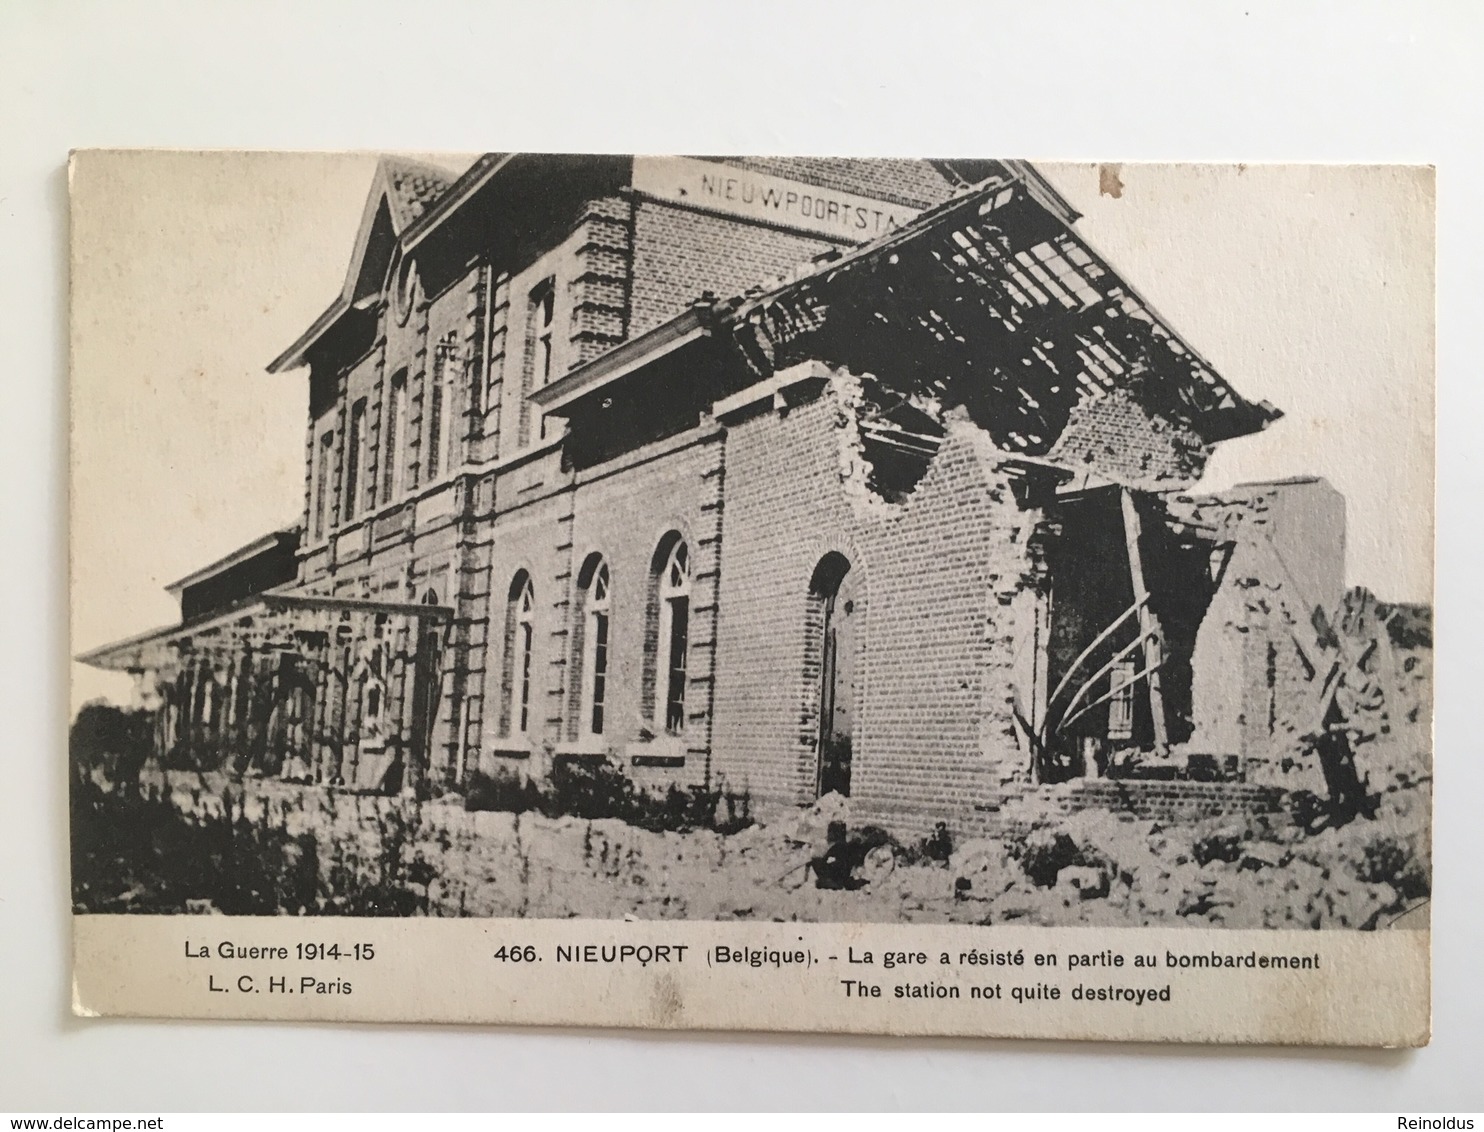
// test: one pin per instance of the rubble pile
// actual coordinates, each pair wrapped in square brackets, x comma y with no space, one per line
[1093,867]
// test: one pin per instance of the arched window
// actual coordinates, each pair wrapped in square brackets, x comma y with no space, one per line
[673,638]
[520,642]
[830,658]
[593,647]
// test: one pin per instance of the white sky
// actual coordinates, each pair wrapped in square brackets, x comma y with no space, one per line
[1308,286]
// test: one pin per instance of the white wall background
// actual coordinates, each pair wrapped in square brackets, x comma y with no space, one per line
[1255,81]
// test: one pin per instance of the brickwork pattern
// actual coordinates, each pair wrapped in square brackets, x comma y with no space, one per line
[519,422]
[496,348]
[418,377]
[599,283]
[1114,437]
[400,549]
[532,506]
[361,382]
[678,254]
[1165,802]
[939,726]
[939,579]
[625,516]
[947,580]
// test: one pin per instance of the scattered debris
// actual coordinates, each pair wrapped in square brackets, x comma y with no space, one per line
[436,858]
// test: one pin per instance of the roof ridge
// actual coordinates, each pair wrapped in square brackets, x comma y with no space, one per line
[412,186]
[418,165]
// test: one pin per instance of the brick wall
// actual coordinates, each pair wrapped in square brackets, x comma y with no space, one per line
[448,321]
[549,523]
[943,577]
[400,549]
[1114,437]
[599,283]
[522,533]
[1165,802]
[623,514]
[624,267]
[946,633]
[499,339]
[784,512]
[949,584]
[679,253]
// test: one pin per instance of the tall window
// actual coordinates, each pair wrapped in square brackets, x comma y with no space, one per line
[673,638]
[323,453]
[543,313]
[540,317]
[373,695]
[520,642]
[594,672]
[1121,703]
[439,406]
[394,442]
[830,656]
[371,703]
[355,457]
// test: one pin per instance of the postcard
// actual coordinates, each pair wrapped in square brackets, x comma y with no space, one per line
[949,597]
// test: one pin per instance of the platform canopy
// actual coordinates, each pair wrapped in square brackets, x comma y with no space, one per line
[267,622]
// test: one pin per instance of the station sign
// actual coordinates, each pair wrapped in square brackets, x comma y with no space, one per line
[714,187]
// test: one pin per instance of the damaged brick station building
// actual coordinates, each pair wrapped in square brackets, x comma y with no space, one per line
[784,476]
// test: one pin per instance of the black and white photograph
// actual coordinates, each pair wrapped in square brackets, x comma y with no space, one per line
[716,538]
[765,558]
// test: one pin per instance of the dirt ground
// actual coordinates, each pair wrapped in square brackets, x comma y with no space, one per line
[1092,868]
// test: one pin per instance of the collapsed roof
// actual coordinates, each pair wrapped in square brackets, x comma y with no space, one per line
[993,302]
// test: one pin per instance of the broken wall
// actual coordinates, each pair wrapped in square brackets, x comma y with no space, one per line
[947,581]
[1254,686]
[1115,438]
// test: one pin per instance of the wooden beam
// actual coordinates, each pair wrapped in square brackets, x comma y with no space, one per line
[1149,631]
